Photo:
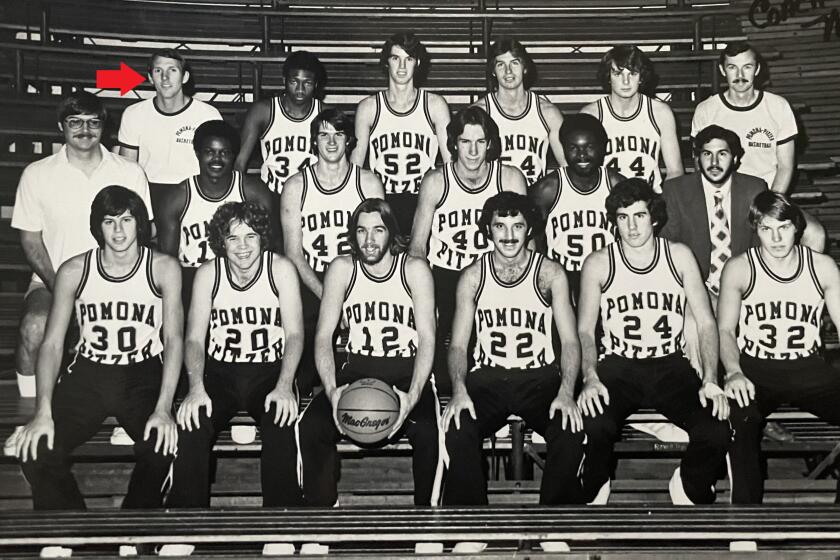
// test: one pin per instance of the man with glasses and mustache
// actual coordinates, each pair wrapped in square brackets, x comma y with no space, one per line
[52,210]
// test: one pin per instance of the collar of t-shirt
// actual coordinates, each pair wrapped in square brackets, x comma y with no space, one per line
[725,191]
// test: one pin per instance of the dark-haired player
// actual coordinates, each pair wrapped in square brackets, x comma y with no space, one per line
[248,298]
[187,210]
[528,124]
[281,124]
[387,299]
[402,128]
[127,301]
[449,208]
[52,210]
[639,127]
[769,319]
[641,285]
[315,206]
[158,132]
[513,296]
[572,199]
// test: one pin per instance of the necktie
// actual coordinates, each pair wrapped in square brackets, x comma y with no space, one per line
[719,229]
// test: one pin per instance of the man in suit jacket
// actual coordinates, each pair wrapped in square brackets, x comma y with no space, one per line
[690,200]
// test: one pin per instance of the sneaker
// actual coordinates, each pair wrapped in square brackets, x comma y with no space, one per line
[11,442]
[120,437]
[777,432]
[663,431]
[677,492]
[603,495]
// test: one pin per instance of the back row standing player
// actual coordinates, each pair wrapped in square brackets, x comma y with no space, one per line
[402,128]
[281,124]
[528,124]
[158,132]
[639,127]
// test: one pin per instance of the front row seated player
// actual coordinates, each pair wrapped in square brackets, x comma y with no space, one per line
[386,297]
[249,299]
[769,318]
[641,285]
[123,294]
[514,297]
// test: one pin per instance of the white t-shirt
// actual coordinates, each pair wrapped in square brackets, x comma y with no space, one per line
[761,127]
[164,140]
[54,197]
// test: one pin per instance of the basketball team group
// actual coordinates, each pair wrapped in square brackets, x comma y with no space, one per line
[441,251]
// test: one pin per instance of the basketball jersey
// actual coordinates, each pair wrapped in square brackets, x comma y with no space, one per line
[245,321]
[380,312]
[119,318]
[402,146]
[524,137]
[513,320]
[762,127]
[325,214]
[642,310]
[194,249]
[632,142]
[286,144]
[781,317]
[456,240]
[577,222]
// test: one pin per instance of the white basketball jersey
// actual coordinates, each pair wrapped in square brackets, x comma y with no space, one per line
[513,321]
[577,223]
[402,146]
[380,312]
[286,145]
[642,310]
[524,137]
[245,321]
[119,318]
[456,240]
[325,214]
[194,249]
[781,317]
[632,142]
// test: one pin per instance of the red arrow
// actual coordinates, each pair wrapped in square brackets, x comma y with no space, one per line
[125,79]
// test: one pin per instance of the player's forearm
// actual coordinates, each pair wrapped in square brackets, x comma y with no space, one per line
[709,349]
[292,352]
[569,366]
[423,362]
[730,355]
[36,255]
[173,355]
[307,276]
[417,246]
[457,361]
[49,362]
[194,360]
[325,362]
[781,182]
[588,356]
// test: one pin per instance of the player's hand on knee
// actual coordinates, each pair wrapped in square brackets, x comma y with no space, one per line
[739,388]
[569,411]
[27,442]
[166,439]
[458,403]
[190,409]
[405,408]
[711,393]
[334,398]
[589,400]
[286,405]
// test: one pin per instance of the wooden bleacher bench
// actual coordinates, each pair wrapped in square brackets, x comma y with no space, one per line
[626,528]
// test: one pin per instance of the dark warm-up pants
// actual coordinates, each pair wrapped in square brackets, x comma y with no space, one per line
[319,435]
[84,397]
[670,386]
[233,387]
[496,394]
[808,383]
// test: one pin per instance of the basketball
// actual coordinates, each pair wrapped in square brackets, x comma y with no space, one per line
[367,410]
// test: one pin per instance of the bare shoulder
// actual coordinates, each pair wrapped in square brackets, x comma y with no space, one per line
[824,265]
[681,253]
[260,111]
[548,273]
[416,265]
[471,276]
[590,109]
[549,109]
[597,261]
[341,265]
[282,265]
[366,107]
[164,262]
[437,102]
[72,266]
[661,110]
[292,187]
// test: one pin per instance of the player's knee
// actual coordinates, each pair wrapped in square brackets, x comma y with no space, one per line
[32,327]
[465,435]
[556,434]
[600,428]
[714,433]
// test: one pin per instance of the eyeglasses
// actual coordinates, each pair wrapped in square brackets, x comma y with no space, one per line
[75,123]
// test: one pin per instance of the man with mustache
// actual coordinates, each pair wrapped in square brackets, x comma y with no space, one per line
[52,210]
